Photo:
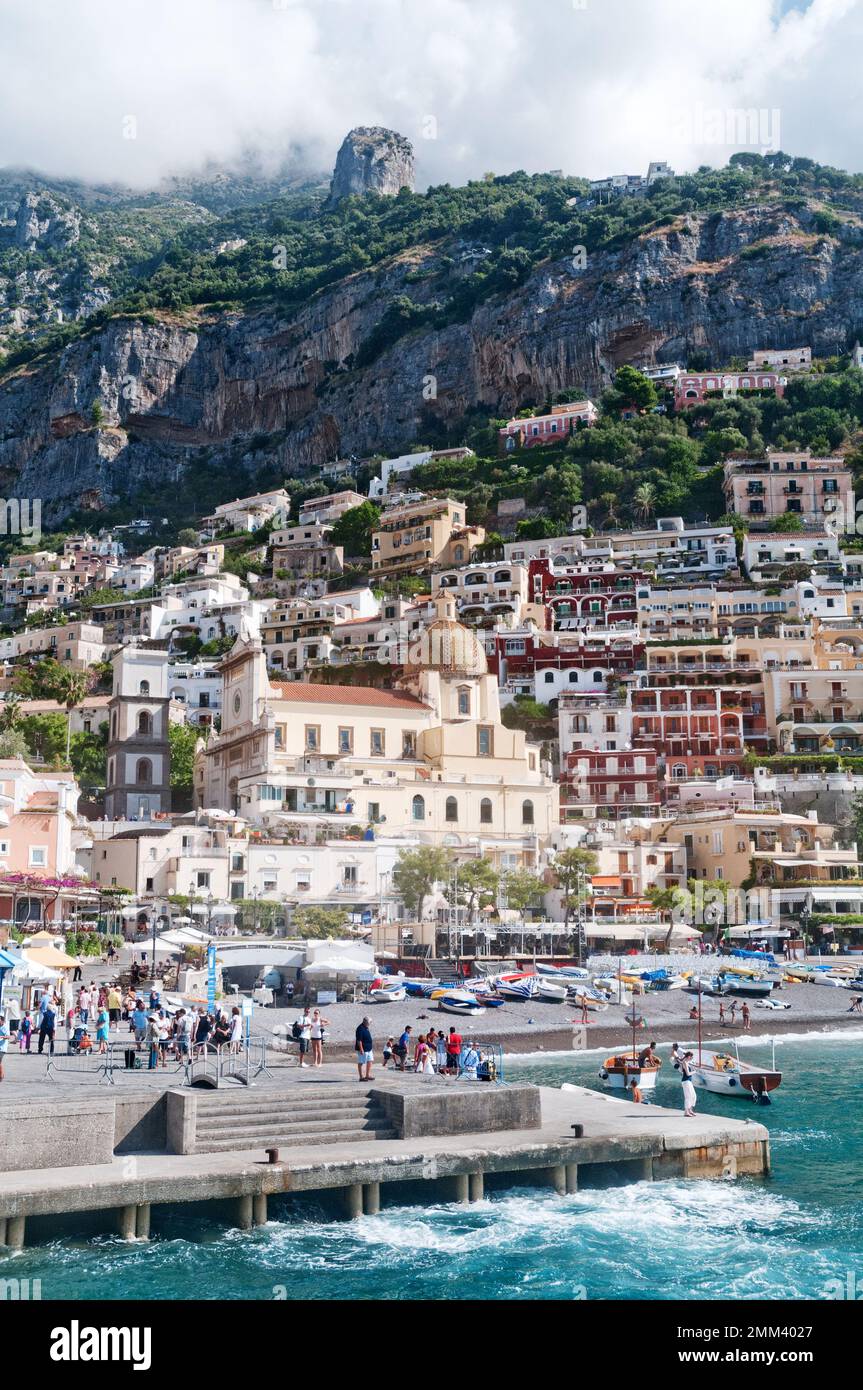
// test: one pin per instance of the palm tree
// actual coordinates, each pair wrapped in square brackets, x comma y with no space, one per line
[644,499]
[10,713]
[69,688]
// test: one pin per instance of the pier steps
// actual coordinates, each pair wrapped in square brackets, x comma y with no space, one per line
[331,1115]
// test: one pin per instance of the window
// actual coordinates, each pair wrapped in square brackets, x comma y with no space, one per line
[451,813]
[144,688]
[484,741]
[485,811]
[313,738]
[549,678]
[145,723]
[144,772]
[346,740]
[374,810]
[203,878]
[464,699]
[148,885]
[418,808]
[377,741]
[350,877]
[527,813]
[38,856]
[409,743]
[281,732]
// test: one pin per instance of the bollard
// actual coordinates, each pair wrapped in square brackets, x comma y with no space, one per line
[272,1155]
[577,1131]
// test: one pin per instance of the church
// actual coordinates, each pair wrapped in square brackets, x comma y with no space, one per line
[429,758]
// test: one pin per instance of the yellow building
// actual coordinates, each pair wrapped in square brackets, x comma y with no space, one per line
[429,758]
[423,531]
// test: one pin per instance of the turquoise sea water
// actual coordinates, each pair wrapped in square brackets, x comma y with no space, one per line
[785,1236]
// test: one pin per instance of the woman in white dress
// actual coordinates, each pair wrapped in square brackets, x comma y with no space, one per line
[236,1030]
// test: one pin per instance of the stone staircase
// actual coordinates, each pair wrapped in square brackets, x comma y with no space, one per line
[307,1114]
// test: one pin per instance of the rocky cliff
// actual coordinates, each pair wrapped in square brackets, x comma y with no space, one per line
[372,160]
[284,387]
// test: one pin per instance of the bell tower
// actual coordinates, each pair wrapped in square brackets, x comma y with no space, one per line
[139,752]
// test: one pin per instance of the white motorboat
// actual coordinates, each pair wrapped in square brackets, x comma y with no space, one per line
[393,994]
[726,1075]
[745,987]
[460,1001]
[523,987]
[551,991]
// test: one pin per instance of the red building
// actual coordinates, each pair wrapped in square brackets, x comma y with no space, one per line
[609,783]
[699,731]
[585,596]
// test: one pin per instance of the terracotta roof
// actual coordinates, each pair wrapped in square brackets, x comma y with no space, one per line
[41,799]
[310,693]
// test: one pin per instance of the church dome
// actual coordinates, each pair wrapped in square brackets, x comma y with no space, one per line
[446,646]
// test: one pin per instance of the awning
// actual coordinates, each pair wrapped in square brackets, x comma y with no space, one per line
[606,881]
[50,956]
[615,933]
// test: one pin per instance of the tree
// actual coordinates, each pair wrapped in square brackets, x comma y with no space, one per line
[10,714]
[67,687]
[13,744]
[89,757]
[632,390]
[788,522]
[644,501]
[182,739]
[476,879]
[522,889]
[97,414]
[665,901]
[416,873]
[187,537]
[317,923]
[46,736]
[571,867]
[354,528]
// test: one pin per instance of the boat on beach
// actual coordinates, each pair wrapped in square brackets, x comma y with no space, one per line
[460,1001]
[551,991]
[388,994]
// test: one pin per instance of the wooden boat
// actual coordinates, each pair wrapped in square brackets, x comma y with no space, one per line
[550,991]
[622,1068]
[460,1001]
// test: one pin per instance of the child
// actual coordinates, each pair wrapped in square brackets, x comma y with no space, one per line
[25,1032]
[635,1092]
[388,1052]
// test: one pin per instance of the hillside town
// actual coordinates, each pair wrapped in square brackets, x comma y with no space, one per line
[605,740]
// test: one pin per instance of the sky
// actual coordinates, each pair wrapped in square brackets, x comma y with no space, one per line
[133,91]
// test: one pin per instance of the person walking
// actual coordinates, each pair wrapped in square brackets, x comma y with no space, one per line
[689,1096]
[746,1016]
[153,1033]
[421,1052]
[403,1045]
[4,1043]
[138,1018]
[77,973]
[732,1013]
[364,1046]
[25,1032]
[317,1035]
[389,1049]
[721,1014]
[47,1025]
[84,1004]
[115,1004]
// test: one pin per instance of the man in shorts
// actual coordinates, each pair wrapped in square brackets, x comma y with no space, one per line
[364,1049]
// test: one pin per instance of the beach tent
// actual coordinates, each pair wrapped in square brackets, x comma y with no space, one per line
[337,965]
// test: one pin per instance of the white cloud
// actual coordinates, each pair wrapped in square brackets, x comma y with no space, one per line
[510,84]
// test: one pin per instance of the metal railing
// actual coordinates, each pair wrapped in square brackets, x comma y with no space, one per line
[217,1064]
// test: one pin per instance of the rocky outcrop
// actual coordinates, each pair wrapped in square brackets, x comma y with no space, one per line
[372,160]
[285,390]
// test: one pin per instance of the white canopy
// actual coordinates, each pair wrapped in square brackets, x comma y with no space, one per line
[337,965]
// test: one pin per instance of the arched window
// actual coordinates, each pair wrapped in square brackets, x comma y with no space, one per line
[110,771]
[527,813]
[599,676]
[144,688]
[145,722]
[458,554]
[144,772]
[549,678]
[464,699]
[573,677]
[485,811]
[418,807]
[451,808]
[502,577]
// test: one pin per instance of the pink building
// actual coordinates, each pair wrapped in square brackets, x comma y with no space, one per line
[692,387]
[38,818]
[548,429]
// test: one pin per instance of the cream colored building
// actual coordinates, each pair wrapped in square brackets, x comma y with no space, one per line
[762,489]
[429,757]
[423,531]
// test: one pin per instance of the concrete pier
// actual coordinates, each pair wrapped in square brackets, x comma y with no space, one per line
[520,1137]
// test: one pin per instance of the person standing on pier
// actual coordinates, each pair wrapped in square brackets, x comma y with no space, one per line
[689,1096]
[453,1049]
[47,1024]
[363,1043]
[317,1033]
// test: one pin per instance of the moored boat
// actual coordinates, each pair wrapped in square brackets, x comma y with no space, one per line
[622,1068]
[726,1075]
